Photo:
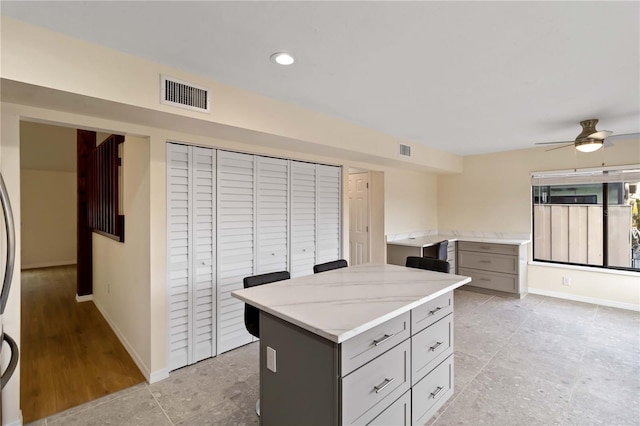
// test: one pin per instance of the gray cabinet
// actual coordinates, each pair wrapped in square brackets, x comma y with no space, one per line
[397,373]
[494,267]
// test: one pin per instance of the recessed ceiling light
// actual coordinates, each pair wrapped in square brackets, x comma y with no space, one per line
[282,58]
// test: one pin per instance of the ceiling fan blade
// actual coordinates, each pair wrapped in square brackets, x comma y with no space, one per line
[559,147]
[551,143]
[601,134]
[623,135]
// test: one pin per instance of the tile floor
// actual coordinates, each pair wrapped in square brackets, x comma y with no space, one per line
[534,361]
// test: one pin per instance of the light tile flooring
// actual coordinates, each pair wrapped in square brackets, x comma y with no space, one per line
[534,361]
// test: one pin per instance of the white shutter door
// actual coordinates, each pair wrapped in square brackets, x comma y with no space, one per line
[303,218]
[272,215]
[235,186]
[204,240]
[328,216]
[178,254]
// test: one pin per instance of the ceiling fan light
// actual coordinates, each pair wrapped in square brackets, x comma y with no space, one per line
[589,145]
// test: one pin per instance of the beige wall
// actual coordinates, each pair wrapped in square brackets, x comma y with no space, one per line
[494,194]
[49,214]
[121,271]
[410,200]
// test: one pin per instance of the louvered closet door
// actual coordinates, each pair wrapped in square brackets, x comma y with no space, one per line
[236,211]
[303,218]
[272,215]
[178,254]
[204,254]
[328,213]
[191,254]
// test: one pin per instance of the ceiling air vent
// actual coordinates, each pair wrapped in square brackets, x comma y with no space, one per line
[405,150]
[184,95]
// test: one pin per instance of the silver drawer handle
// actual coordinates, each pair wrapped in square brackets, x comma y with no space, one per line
[436,392]
[485,279]
[485,261]
[435,310]
[485,247]
[384,384]
[434,347]
[384,339]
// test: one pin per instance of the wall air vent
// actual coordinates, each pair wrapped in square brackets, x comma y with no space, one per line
[405,150]
[184,95]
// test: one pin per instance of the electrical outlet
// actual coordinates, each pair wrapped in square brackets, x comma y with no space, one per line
[566,281]
[271,359]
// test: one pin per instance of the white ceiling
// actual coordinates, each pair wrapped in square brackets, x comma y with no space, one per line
[464,77]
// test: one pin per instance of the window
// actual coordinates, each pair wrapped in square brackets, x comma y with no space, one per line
[588,217]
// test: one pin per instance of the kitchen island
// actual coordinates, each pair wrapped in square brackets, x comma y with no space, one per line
[369,344]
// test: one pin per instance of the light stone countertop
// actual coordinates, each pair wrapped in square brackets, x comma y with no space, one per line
[343,303]
[429,240]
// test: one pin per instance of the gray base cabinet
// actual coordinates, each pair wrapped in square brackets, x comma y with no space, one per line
[397,373]
[494,267]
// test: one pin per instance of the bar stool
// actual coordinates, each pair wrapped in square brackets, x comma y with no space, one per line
[428,263]
[251,313]
[328,266]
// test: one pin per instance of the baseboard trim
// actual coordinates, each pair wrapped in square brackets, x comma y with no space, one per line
[159,375]
[576,298]
[85,298]
[134,355]
[47,264]
[16,422]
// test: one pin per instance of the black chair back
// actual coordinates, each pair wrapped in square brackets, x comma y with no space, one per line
[441,250]
[324,267]
[428,263]
[251,313]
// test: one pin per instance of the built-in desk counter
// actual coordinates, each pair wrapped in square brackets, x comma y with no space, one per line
[336,348]
[495,264]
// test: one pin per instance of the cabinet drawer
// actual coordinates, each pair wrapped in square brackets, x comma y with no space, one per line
[425,315]
[430,347]
[398,414]
[368,345]
[488,248]
[369,390]
[429,394]
[488,262]
[491,280]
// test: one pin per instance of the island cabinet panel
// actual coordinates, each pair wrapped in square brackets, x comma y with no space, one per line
[369,390]
[428,395]
[364,347]
[430,347]
[402,380]
[397,414]
[425,315]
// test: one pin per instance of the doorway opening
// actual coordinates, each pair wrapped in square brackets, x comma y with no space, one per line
[69,353]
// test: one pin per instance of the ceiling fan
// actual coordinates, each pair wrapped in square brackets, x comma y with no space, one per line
[589,140]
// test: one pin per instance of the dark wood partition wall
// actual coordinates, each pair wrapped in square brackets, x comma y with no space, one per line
[98,200]
[86,145]
[103,214]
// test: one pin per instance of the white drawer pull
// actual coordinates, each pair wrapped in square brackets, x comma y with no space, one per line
[434,347]
[384,339]
[384,384]
[435,310]
[436,392]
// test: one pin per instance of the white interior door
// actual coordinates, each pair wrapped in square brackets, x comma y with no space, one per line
[359,218]
[236,230]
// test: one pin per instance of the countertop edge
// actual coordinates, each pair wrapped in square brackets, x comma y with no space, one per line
[488,240]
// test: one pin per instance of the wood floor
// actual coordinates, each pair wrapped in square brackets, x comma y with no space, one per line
[69,354]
